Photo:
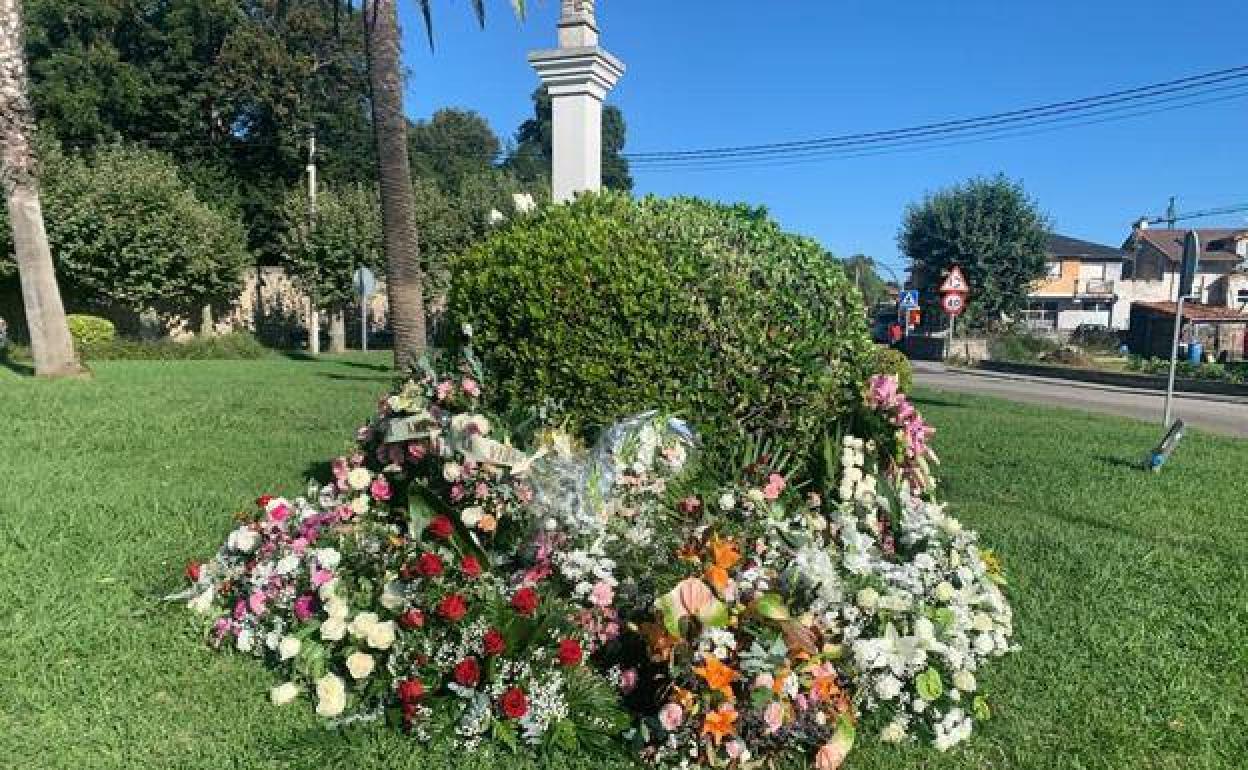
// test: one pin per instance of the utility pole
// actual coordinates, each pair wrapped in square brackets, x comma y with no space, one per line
[314,315]
[1172,214]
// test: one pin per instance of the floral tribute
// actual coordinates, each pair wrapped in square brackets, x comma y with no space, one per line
[486,578]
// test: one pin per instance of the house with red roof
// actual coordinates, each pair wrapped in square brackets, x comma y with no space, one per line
[1151,274]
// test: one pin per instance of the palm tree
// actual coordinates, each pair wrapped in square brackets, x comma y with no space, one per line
[404,278]
[50,341]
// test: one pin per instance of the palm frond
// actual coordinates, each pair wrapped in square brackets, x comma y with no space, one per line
[478,8]
[426,13]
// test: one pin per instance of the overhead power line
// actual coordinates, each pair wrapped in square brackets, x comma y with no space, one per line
[1221,84]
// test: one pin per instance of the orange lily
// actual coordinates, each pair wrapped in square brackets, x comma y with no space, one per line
[718,676]
[720,724]
[724,556]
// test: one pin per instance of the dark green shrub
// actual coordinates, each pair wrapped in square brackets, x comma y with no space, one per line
[1020,347]
[1096,338]
[90,331]
[610,306]
[894,362]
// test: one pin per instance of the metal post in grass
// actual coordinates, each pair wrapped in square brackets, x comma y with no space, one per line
[1191,259]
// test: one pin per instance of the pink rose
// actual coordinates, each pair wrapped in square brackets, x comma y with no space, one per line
[340,468]
[671,716]
[481,490]
[256,603]
[416,451]
[380,489]
[602,594]
[445,389]
[471,387]
[735,749]
[321,576]
[831,755]
[279,513]
[305,606]
[775,485]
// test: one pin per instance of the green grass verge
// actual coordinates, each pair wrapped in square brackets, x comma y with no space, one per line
[1130,589]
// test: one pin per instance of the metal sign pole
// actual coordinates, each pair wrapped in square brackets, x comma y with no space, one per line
[1174,361]
[364,323]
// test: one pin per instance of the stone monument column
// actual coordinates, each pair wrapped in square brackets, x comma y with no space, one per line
[578,74]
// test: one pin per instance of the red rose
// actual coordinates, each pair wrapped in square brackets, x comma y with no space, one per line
[470,566]
[412,619]
[192,571]
[514,704]
[570,652]
[411,690]
[429,564]
[495,644]
[690,505]
[263,501]
[467,672]
[441,527]
[453,608]
[525,601]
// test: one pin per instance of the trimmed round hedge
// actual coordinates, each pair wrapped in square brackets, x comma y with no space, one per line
[610,305]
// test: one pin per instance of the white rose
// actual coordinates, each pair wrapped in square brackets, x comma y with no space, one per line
[965,681]
[359,505]
[727,501]
[944,591]
[272,639]
[328,558]
[362,624]
[326,591]
[950,525]
[895,603]
[337,609]
[359,479]
[756,496]
[283,693]
[452,472]
[360,665]
[868,598]
[243,539]
[472,516]
[984,643]
[853,475]
[818,523]
[246,640]
[202,604]
[982,622]
[331,696]
[289,647]
[288,564]
[381,635]
[333,630]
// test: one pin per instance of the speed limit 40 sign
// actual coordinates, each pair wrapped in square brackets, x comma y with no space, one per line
[953,304]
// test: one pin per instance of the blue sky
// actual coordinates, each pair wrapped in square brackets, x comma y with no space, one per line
[731,72]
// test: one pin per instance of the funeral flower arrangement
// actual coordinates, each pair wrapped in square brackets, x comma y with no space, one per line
[490,578]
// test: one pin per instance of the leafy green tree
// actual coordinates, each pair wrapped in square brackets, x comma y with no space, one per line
[451,146]
[990,228]
[862,272]
[530,159]
[129,233]
[322,256]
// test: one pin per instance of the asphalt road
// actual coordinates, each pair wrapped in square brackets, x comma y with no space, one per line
[1216,414]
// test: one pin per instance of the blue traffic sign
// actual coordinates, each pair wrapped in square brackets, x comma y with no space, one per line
[909,300]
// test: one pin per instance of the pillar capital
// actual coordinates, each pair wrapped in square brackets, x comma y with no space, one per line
[585,70]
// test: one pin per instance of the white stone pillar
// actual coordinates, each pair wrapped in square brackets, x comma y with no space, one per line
[578,74]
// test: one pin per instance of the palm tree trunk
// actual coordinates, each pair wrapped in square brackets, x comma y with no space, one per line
[404,279]
[50,342]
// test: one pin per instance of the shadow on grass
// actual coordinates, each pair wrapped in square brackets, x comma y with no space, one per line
[20,369]
[1137,464]
[937,402]
[300,355]
[356,377]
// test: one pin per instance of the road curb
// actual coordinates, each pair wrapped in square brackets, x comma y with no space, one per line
[1213,397]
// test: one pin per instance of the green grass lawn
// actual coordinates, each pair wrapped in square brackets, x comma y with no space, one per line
[1130,590]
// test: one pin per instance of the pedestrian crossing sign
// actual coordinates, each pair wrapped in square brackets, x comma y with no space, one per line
[909,299]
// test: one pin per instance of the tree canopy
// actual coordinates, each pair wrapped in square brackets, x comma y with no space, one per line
[322,257]
[129,233]
[531,157]
[990,228]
